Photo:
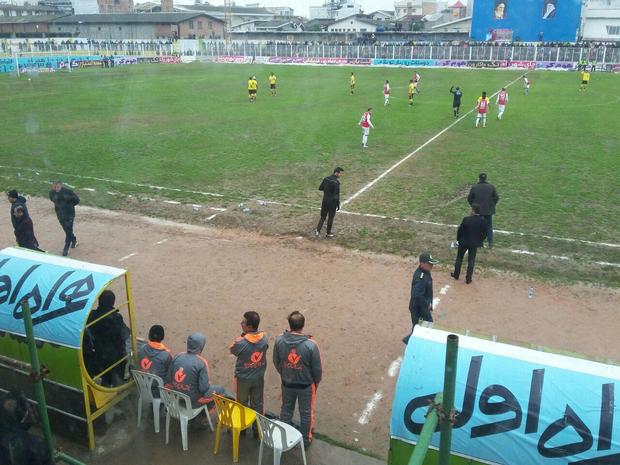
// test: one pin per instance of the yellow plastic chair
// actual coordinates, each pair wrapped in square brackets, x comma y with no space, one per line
[234,416]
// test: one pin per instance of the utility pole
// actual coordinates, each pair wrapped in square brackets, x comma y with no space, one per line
[227,23]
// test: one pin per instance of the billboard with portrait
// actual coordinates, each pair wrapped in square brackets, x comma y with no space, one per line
[529,20]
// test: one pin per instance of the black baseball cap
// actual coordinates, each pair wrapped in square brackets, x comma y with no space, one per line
[338,170]
[426,257]
[12,194]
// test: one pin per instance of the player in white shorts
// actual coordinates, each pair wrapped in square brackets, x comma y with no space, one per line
[386,93]
[366,124]
[416,79]
[526,85]
[501,101]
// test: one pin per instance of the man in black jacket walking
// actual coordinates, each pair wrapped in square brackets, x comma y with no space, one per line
[470,236]
[65,201]
[331,201]
[16,200]
[485,196]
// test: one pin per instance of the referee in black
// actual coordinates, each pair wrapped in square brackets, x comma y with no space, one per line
[331,201]
[456,100]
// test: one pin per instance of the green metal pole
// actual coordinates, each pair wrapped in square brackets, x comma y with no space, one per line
[38,387]
[430,425]
[36,375]
[449,385]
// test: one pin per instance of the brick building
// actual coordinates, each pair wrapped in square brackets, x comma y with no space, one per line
[144,26]
[115,6]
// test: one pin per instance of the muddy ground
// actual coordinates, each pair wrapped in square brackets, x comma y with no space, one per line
[190,277]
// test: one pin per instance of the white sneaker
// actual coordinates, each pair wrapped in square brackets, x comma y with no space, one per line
[316,233]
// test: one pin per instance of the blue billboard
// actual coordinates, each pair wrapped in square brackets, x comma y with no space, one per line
[526,20]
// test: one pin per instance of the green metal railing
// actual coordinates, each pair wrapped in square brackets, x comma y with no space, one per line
[37,375]
[441,411]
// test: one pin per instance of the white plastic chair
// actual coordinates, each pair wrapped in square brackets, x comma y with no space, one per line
[179,405]
[145,382]
[280,437]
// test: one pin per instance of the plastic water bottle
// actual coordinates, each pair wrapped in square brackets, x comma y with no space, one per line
[530,292]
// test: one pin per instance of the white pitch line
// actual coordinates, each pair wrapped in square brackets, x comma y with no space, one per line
[394,367]
[122,259]
[172,202]
[89,189]
[608,264]
[115,181]
[496,231]
[370,406]
[347,212]
[217,209]
[408,156]
[444,290]
[161,242]
[209,218]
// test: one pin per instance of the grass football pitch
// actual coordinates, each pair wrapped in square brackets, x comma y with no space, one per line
[554,157]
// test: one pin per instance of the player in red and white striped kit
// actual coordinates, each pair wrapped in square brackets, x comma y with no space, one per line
[482,106]
[366,124]
[501,101]
[386,93]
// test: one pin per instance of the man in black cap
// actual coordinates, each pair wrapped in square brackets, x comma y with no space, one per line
[470,236]
[331,201]
[16,200]
[485,196]
[65,201]
[421,301]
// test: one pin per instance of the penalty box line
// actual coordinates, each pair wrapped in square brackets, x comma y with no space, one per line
[307,207]
[411,154]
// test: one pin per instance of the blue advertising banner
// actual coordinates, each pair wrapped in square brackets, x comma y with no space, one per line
[60,291]
[402,62]
[526,20]
[515,405]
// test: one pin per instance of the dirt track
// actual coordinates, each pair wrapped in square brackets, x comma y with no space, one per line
[192,278]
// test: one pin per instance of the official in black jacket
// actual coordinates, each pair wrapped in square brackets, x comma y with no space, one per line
[485,196]
[65,201]
[470,236]
[421,300]
[24,229]
[331,201]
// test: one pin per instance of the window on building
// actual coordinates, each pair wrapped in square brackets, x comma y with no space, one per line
[199,24]
[120,28]
[98,28]
[363,29]
[59,29]
[613,30]
[210,25]
[191,24]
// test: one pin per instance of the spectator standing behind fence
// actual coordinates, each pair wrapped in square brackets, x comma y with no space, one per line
[470,236]
[154,357]
[297,358]
[251,351]
[485,196]
[421,300]
[189,374]
[15,200]
[24,230]
[65,201]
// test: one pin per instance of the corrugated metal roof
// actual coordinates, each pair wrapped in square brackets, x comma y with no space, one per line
[30,19]
[133,18]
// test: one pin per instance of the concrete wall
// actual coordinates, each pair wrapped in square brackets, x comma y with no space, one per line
[321,36]
[596,29]
[351,25]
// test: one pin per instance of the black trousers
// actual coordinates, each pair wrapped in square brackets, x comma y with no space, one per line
[328,210]
[471,261]
[67,227]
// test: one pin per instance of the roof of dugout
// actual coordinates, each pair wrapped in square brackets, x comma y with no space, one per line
[61,292]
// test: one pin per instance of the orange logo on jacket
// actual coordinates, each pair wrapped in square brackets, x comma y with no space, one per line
[256,360]
[256,357]
[293,360]
[145,363]
[180,375]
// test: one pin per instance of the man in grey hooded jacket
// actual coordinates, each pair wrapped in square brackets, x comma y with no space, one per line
[189,373]
[297,358]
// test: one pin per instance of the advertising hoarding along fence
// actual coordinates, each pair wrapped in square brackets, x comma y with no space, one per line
[515,405]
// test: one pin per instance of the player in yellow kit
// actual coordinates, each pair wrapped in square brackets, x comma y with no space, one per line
[585,78]
[352,83]
[272,83]
[252,88]
[410,92]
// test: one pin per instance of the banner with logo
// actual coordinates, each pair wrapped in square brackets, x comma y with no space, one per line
[515,405]
[61,292]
